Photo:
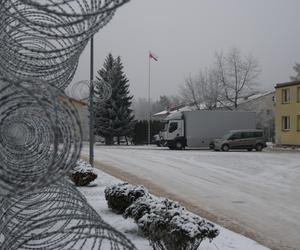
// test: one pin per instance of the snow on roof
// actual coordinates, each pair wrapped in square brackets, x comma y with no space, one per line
[255,96]
[168,112]
[241,100]
[164,112]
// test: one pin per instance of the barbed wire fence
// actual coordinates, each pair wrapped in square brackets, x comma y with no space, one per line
[40,130]
[81,90]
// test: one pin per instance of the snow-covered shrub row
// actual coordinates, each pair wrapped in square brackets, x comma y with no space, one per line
[83,173]
[168,226]
[120,196]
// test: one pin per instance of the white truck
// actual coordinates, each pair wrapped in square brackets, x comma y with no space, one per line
[198,129]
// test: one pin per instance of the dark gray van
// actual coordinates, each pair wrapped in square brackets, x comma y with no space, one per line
[241,139]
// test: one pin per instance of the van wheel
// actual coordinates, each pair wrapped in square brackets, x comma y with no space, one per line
[259,147]
[225,148]
[178,145]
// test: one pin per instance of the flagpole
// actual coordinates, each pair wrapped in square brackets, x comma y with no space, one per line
[91,102]
[149,108]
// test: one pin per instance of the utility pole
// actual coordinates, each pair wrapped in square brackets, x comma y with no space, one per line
[92,102]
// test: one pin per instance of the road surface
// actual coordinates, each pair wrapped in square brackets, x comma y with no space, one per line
[254,193]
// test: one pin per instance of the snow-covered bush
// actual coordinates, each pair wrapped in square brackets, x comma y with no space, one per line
[121,196]
[83,173]
[168,226]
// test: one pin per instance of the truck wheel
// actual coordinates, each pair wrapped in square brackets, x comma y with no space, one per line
[225,148]
[258,147]
[178,145]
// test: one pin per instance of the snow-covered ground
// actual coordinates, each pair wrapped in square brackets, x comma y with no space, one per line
[259,191]
[227,240]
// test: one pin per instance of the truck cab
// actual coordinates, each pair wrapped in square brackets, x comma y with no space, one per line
[173,133]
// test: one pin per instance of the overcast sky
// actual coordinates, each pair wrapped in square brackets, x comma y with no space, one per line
[186,34]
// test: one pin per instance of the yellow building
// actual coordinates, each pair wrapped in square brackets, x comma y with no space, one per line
[287,113]
[83,113]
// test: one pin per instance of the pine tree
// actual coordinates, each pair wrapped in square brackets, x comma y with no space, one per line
[113,117]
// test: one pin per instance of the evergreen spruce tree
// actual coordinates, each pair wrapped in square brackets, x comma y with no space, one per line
[113,117]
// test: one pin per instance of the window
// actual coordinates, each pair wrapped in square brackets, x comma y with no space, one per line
[298,122]
[235,136]
[246,135]
[286,96]
[258,134]
[227,135]
[173,127]
[298,94]
[285,123]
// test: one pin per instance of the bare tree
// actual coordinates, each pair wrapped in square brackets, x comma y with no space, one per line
[237,75]
[189,92]
[175,100]
[297,70]
[210,89]
[164,103]
[202,90]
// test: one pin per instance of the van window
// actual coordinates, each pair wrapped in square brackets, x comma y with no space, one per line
[235,136]
[227,135]
[258,134]
[173,127]
[246,135]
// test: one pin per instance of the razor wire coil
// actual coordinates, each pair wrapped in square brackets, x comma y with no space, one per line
[56,217]
[44,41]
[40,135]
[40,130]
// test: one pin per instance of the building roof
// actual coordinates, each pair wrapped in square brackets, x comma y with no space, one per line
[241,100]
[172,111]
[82,102]
[287,84]
[254,97]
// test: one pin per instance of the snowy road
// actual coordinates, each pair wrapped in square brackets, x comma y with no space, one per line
[260,192]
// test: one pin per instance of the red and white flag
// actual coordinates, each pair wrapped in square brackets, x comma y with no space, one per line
[154,57]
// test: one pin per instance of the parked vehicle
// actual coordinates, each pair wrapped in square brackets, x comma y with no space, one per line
[241,139]
[199,128]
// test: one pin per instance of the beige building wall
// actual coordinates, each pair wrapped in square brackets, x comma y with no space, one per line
[289,109]
[264,106]
[83,113]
